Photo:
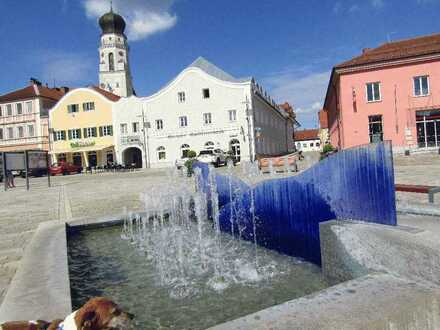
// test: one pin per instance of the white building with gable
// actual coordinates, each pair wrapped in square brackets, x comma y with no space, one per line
[202,108]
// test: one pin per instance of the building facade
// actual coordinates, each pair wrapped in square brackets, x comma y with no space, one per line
[388,93]
[202,108]
[24,117]
[82,128]
[324,136]
[308,140]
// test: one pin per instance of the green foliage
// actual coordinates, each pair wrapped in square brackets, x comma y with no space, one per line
[192,154]
[328,148]
[189,166]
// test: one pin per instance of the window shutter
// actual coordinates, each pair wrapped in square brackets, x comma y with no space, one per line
[94,132]
[101,131]
[85,132]
[70,134]
[55,136]
[110,130]
[78,132]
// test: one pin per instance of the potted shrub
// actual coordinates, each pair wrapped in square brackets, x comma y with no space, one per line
[189,163]
[327,150]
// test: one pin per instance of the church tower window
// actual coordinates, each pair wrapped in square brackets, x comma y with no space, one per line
[111,62]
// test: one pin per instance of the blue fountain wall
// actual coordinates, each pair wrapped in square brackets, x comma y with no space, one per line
[357,183]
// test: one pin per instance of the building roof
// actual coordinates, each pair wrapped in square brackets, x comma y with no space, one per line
[33,91]
[307,134]
[420,46]
[215,71]
[323,119]
[110,96]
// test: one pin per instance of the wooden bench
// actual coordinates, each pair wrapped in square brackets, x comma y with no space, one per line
[419,189]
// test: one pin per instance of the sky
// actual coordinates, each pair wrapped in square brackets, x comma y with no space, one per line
[288,46]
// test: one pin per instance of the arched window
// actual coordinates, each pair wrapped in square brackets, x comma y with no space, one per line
[111,62]
[161,154]
[184,148]
[209,145]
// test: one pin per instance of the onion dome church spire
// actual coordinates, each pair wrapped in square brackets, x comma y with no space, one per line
[114,68]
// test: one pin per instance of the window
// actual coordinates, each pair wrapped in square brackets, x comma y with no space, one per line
[19,107]
[135,127]
[421,86]
[161,154]
[232,115]
[106,130]
[185,149]
[9,109]
[31,131]
[159,124]
[20,131]
[29,107]
[59,135]
[89,106]
[62,158]
[74,134]
[318,144]
[72,108]
[305,145]
[183,121]
[375,128]
[90,132]
[111,62]
[311,144]
[1,133]
[206,93]
[10,133]
[1,112]
[373,92]
[124,129]
[207,118]
[181,97]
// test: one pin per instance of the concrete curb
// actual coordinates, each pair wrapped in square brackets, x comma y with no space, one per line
[418,209]
[41,287]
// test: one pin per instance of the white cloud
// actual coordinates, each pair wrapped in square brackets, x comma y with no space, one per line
[143,17]
[65,68]
[306,93]
[377,3]
[337,7]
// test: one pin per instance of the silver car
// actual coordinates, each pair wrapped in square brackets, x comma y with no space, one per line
[212,156]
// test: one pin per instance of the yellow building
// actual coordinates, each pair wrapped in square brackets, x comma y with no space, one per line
[82,129]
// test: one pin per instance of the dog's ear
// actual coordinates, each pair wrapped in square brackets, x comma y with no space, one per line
[88,321]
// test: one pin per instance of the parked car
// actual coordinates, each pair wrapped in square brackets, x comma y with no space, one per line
[36,172]
[212,156]
[64,168]
[181,162]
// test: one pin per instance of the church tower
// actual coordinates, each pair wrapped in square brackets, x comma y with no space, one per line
[114,67]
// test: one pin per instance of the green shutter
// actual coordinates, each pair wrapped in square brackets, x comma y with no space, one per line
[78,132]
[55,136]
[94,132]
[85,132]
[101,131]
[110,130]
[70,134]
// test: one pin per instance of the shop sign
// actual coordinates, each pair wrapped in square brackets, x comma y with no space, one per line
[82,144]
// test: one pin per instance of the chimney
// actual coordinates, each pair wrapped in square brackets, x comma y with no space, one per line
[64,89]
[365,50]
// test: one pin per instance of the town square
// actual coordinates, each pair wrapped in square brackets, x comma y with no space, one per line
[169,164]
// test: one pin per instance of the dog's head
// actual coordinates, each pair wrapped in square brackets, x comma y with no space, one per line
[102,314]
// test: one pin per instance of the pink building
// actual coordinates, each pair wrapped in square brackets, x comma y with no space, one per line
[388,93]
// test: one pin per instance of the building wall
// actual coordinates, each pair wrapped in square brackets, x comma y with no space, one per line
[165,106]
[397,106]
[61,120]
[35,117]
[309,145]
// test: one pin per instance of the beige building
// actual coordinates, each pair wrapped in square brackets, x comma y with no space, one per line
[82,128]
[24,117]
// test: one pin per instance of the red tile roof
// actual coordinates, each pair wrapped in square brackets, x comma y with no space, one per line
[323,119]
[108,95]
[33,91]
[307,134]
[426,45]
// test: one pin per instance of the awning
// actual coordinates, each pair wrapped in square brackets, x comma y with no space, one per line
[80,149]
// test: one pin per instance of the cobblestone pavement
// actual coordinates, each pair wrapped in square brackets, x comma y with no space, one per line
[105,194]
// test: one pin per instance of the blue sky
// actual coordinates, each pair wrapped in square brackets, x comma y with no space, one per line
[289,46]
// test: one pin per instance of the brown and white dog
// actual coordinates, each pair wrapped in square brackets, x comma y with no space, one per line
[97,314]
